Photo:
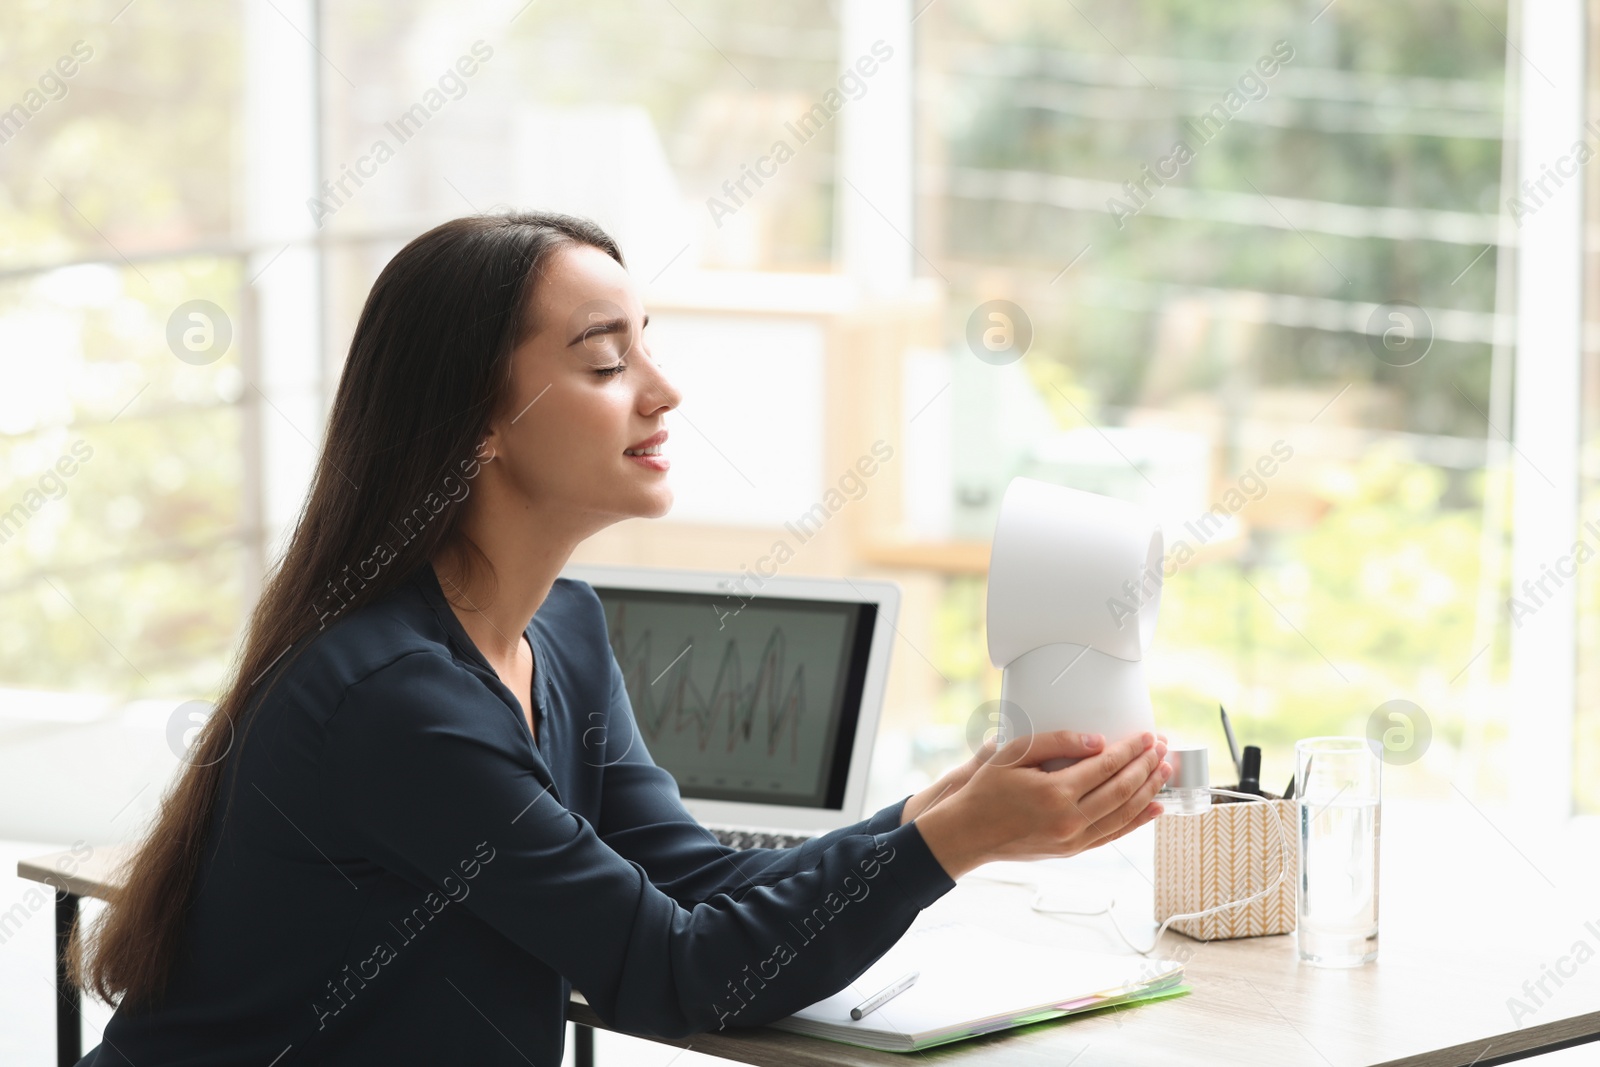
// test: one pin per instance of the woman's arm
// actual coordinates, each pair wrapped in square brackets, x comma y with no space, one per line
[422,769]
[642,816]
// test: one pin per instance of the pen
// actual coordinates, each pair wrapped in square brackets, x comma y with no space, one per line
[1250,776]
[876,1002]
[1233,746]
[1288,792]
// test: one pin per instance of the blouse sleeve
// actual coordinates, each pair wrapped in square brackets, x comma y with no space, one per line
[425,772]
[643,818]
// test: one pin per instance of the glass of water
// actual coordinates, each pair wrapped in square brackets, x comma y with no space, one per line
[1338,784]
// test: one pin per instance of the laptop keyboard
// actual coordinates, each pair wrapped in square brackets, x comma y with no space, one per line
[741,838]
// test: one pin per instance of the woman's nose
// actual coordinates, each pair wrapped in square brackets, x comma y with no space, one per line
[662,392]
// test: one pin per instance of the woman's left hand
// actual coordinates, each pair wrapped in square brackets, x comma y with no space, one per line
[952,780]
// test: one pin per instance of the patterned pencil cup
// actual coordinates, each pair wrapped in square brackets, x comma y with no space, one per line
[1228,853]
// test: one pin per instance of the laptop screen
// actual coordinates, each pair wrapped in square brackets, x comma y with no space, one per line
[748,699]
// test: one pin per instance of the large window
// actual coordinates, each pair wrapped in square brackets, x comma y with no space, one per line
[1586,732]
[1258,250]
[1256,268]
[126,543]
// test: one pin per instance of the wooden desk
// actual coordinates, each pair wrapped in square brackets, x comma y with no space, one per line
[75,876]
[1470,910]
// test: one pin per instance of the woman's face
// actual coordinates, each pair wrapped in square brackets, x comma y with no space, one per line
[585,392]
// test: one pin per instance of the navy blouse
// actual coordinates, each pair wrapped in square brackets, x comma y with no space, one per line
[404,876]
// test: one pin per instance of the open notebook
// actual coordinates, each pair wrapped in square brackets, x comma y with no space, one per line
[974,981]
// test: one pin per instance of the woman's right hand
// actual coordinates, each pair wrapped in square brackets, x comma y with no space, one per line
[1011,809]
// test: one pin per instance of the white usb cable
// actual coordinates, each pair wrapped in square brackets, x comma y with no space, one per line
[1187,798]
[1283,872]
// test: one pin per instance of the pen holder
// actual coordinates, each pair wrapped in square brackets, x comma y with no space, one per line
[1227,853]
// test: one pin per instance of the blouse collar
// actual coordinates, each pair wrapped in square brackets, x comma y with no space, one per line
[428,581]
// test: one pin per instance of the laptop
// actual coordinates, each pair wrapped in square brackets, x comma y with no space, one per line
[761,696]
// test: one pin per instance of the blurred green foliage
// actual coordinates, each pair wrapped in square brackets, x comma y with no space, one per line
[1369,585]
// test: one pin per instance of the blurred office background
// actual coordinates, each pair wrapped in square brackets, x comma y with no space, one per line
[1308,340]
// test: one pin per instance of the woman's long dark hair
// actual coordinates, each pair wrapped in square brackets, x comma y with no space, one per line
[429,366]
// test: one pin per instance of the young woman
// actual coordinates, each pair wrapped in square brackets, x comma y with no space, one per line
[401,837]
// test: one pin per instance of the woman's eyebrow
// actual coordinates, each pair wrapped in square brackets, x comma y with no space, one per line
[593,328]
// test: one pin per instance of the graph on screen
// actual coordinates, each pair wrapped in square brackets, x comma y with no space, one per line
[735,704]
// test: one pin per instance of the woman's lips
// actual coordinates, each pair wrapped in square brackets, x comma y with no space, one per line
[659,463]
